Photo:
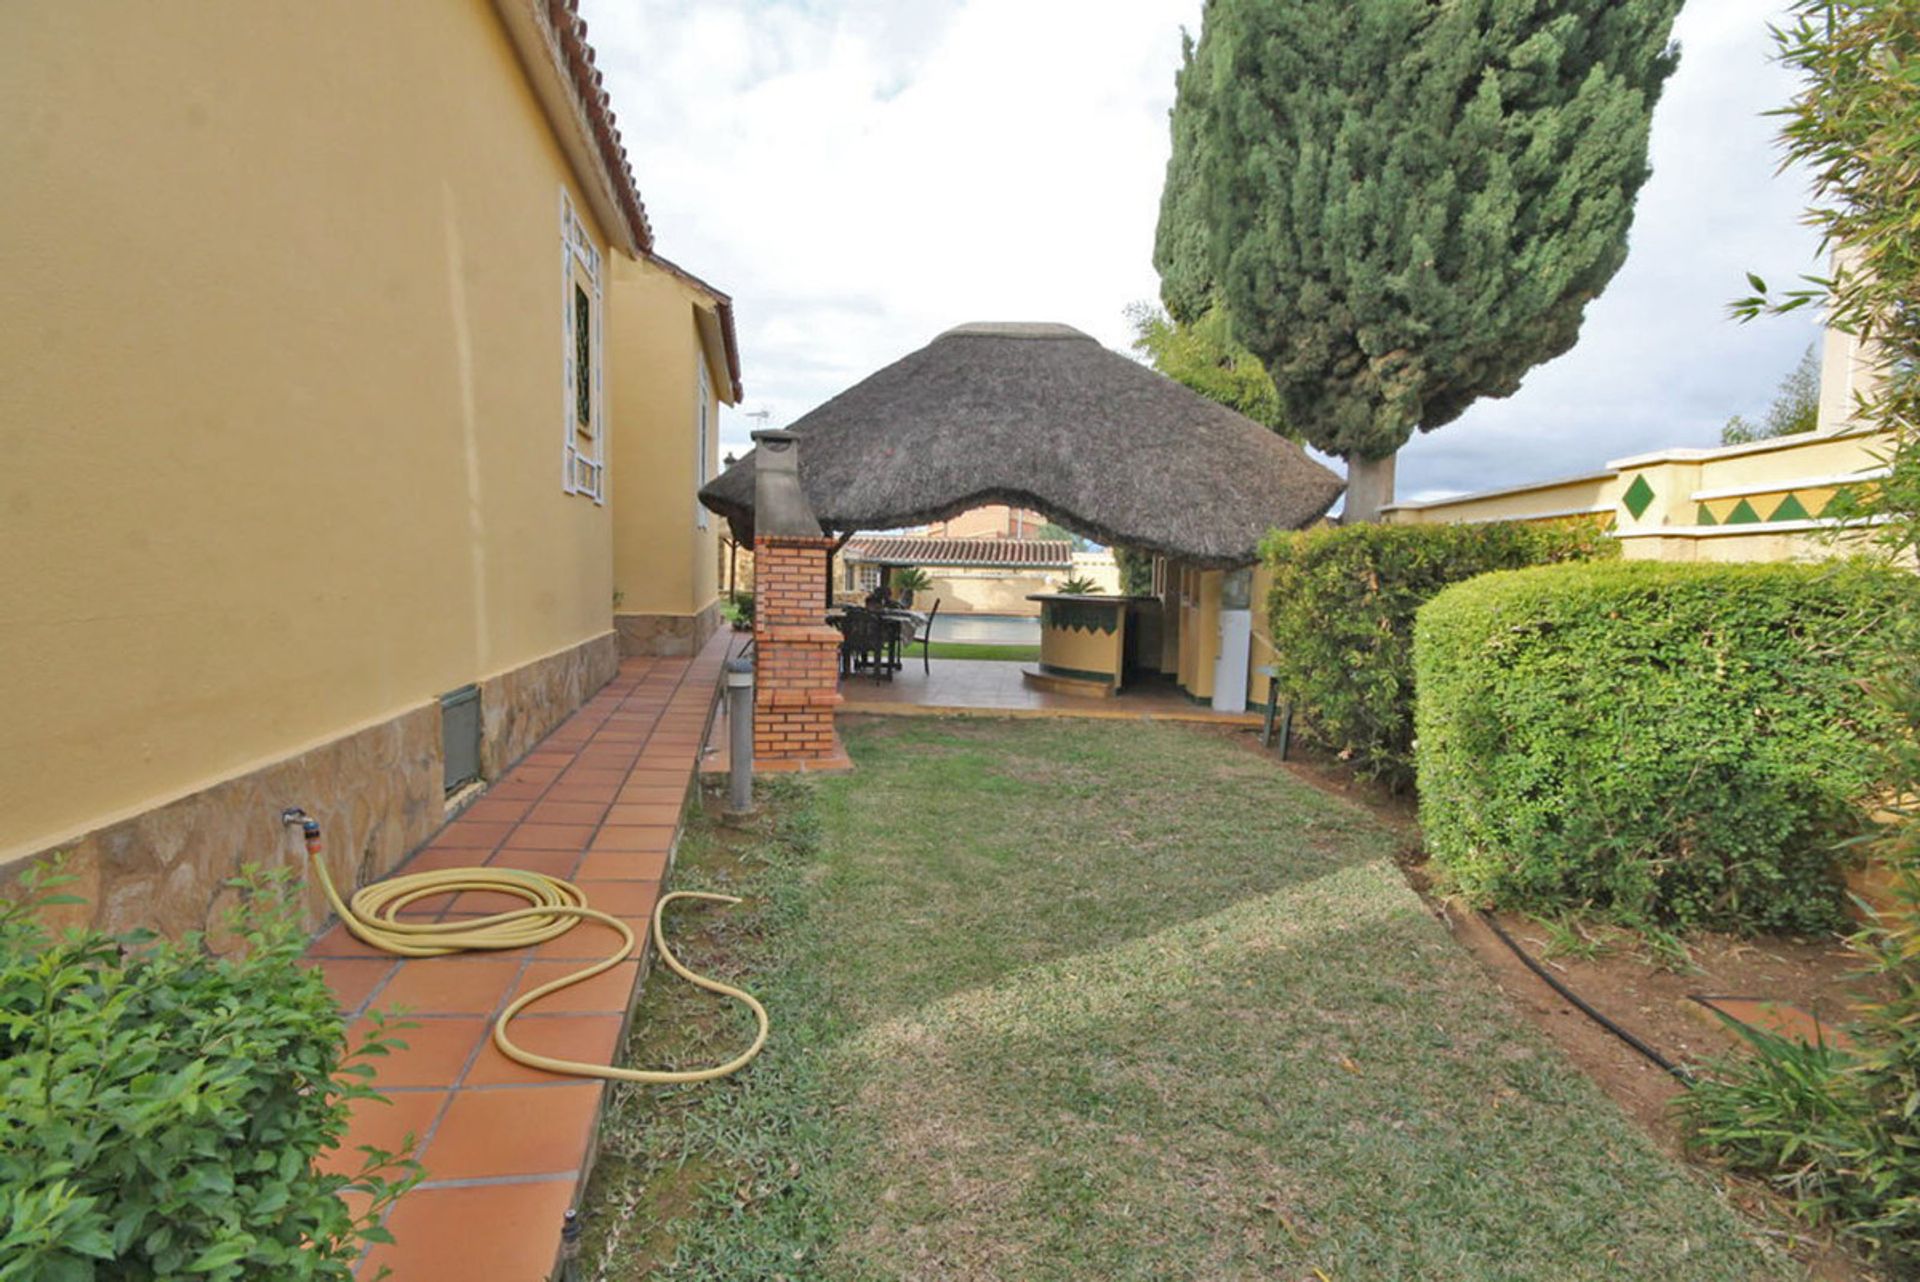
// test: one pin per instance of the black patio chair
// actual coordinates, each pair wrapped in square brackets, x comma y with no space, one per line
[868,637]
[926,638]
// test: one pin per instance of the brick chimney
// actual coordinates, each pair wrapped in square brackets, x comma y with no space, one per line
[796,655]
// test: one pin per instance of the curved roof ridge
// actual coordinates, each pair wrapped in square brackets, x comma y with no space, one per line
[1103,444]
[1016,329]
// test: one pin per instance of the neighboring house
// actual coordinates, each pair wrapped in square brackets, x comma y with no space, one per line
[993,521]
[968,576]
[345,389]
[1100,568]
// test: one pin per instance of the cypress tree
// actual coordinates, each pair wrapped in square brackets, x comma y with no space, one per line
[1405,205]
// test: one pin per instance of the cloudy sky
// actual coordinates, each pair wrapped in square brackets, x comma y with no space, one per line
[863,175]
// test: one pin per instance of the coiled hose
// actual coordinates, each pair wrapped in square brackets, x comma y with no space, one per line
[553,908]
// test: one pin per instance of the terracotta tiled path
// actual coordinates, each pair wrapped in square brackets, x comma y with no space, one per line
[506,1147]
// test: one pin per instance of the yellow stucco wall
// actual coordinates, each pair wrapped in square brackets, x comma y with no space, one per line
[280,437]
[1725,504]
[1598,493]
[664,561]
[1209,637]
[1083,651]
[1260,651]
[962,591]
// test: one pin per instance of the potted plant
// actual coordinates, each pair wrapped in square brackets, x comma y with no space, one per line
[1079,586]
[908,580]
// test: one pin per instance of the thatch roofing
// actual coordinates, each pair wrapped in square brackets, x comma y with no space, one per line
[1042,416]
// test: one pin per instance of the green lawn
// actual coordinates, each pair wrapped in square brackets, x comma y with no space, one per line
[975,650]
[1101,1000]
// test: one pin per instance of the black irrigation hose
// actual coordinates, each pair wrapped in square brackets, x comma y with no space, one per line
[1684,1075]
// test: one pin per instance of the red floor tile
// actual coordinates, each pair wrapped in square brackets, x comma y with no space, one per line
[590,1039]
[654,837]
[497,810]
[623,865]
[603,792]
[644,795]
[434,860]
[608,993]
[629,899]
[384,1124]
[588,774]
[568,812]
[351,979]
[645,777]
[590,941]
[471,834]
[528,1131]
[628,814]
[495,1232]
[550,863]
[436,1051]
[450,986]
[337,941]
[549,837]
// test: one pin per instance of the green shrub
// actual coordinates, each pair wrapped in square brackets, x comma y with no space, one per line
[1341,617]
[738,611]
[1836,1127]
[1136,571]
[1664,743]
[161,1108]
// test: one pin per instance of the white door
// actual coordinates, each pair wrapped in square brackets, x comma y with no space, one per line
[1236,636]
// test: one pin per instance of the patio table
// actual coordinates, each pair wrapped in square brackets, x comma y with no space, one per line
[910,623]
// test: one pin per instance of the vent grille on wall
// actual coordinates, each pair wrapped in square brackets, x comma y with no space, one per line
[460,736]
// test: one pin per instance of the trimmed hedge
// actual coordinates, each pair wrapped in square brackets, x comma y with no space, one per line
[1341,618]
[1663,743]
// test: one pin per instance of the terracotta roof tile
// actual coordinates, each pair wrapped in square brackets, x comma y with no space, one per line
[570,32]
[908,549]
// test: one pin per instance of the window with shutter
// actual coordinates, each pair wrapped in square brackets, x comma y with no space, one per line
[582,460]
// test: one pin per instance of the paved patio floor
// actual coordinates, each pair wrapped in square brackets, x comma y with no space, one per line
[507,1148]
[993,687]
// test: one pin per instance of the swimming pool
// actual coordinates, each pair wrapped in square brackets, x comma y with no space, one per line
[987,629]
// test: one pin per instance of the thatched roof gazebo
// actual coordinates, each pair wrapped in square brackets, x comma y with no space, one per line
[1042,416]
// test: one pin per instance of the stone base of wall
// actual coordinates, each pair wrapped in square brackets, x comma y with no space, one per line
[519,707]
[666,635]
[376,791]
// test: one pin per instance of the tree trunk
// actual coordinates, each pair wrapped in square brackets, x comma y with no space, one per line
[1369,488]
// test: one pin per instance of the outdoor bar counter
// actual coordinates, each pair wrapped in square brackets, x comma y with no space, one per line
[1083,642]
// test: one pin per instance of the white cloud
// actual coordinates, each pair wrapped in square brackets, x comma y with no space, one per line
[862,176]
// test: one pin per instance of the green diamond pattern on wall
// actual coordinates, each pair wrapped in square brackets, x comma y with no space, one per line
[1705,516]
[1743,514]
[1790,509]
[1639,497]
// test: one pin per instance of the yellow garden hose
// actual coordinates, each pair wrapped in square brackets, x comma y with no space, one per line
[553,908]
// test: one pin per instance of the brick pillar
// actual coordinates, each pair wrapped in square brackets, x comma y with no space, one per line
[796,656]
